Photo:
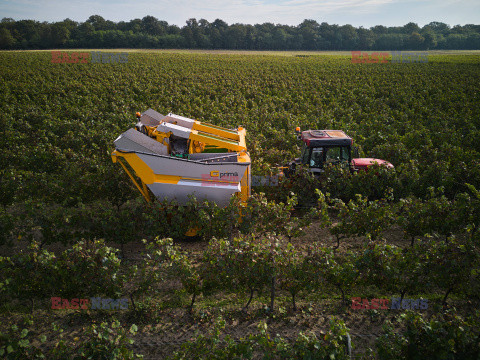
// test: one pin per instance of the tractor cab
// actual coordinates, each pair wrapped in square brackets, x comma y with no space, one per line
[323,147]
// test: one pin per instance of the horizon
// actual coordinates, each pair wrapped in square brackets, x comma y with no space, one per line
[367,14]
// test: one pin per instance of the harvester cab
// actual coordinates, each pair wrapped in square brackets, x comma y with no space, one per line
[173,157]
[323,147]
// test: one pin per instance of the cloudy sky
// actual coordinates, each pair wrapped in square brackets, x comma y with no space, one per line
[292,12]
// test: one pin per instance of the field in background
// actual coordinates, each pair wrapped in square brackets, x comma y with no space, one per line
[59,122]
[68,115]
[249,52]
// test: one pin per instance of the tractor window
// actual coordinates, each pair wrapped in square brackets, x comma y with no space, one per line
[337,154]
[345,154]
[305,154]
[316,160]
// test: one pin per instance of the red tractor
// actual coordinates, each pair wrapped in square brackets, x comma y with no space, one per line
[323,147]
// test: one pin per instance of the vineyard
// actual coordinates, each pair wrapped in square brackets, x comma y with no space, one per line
[379,264]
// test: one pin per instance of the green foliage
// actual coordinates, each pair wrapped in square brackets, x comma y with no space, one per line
[412,218]
[361,217]
[146,277]
[378,265]
[438,215]
[302,183]
[16,343]
[444,336]
[7,225]
[453,265]
[294,275]
[306,345]
[262,217]
[385,117]
[107,342]
[246,264]
[60,185]
[136,220]
[150,32]
[100,342]
[330,269]
[263,346]
[394,269]
[333,344]
[322,208]
[467,211]
[41,222]
[87,269]
[215,221]
[28,275]
[170,261]
[212,346]
[51,223]
[372,183]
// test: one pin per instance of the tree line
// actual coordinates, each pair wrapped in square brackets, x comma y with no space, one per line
[149,32]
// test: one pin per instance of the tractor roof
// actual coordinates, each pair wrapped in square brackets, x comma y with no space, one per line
[325,138]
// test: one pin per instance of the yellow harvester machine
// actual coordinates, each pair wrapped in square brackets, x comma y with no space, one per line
[173,157]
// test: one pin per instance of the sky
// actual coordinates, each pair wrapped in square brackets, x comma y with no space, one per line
[366,13]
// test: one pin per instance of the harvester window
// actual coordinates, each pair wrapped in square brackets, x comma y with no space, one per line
[316,160]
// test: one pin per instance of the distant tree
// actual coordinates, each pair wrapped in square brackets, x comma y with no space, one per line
[250,37]
[60,34]
[390,42]
[86,29]
[310,23]
[430,40]
[415,41]
[6,39]
[135,25]
[110,25]
[455,41]
[198,32]
[27,29]
[379,29]
[309,31]
[187,34]
[473,41]
[98,22]
[204,24]
[438,27]
[70,24]
[458,29]
[264,37]
[327,33]
[309,35]
[411,28]
[6,20]
[151,25]
[366,39]
[173,30]
[234,37]
[349,37]
[472,28]
[219,24]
